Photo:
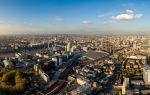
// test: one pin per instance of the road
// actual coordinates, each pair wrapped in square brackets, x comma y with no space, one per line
[60,74]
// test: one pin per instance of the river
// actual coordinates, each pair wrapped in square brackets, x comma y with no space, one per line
[3,55]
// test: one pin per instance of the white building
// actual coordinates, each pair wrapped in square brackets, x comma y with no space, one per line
[38,69]
[48,47]
[39,54]
[125,85]
[134,45]
[17,55]
[146,74]
[73,48]
[85,48]
[139,57]
[69,45]
[7,62]
[58,60]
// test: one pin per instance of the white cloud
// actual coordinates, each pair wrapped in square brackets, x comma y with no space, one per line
[59,19]
[123,17]
[104,15]
[87,22]
[129,15]
[139,15]
[129,11]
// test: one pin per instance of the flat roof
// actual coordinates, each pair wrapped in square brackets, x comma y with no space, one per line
[96,55]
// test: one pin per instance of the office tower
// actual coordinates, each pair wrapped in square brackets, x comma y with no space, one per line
[146,74]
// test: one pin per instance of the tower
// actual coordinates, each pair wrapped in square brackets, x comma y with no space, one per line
[146,74]
[69,45]
[48,45]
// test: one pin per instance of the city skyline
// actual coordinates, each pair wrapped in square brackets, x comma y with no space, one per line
[74,17]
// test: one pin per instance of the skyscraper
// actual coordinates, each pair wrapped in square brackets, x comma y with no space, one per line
[69,45]
[146,74]
[48,45]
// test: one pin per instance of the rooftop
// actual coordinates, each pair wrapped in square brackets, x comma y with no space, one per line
[96,55]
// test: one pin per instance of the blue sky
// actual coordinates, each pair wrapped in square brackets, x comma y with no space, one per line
[74,16]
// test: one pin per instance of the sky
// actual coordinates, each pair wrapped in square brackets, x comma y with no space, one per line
[74,17]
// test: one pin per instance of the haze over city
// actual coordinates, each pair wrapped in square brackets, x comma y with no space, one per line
[74,17]
[74,47]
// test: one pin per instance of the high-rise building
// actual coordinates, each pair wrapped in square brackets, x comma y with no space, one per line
[69,45]
[146,74]
[48,45]
[73,48]
[134,44]
[125,85]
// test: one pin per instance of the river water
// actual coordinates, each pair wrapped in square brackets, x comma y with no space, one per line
[3,55]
